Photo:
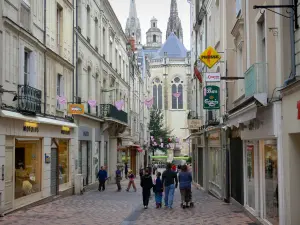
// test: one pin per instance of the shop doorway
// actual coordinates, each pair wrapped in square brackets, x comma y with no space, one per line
[133,161]
[200,166]
[85,162]
[54,183]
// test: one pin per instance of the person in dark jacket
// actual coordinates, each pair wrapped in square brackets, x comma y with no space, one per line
[158,190]
[146,184]
[185,186]
[126,170]
[102,177]
[170,182]
[118,178]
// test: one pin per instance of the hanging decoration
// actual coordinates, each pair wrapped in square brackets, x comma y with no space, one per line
[177,140]
[61,100]
[177,94]
[160,140]
[92,103]
[155,144]
[149,102]
[162,145]
[197,72]
[119,104]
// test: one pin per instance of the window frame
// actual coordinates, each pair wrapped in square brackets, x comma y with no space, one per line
[177,103]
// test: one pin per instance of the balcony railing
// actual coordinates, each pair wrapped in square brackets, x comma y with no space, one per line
[256,80]
[29,100]
[108,111]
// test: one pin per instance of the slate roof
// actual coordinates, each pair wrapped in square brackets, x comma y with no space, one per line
[173,47]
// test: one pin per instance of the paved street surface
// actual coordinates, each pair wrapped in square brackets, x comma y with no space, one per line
[123,208]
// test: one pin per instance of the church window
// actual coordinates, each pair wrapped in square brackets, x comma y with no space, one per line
[157,94]
[177,87]
[153,24]
[154,38]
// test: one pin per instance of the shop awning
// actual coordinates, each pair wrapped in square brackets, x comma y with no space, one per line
[243,115]
[36,119]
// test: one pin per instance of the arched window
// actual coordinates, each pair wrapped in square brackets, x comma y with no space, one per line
[177,88]
[154,38]
[157,94]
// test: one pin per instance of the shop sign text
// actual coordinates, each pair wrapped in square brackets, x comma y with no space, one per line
[210,57]
[30,127]
[76,109]
[211,97]
[212,77]
[65,130]
[194,124]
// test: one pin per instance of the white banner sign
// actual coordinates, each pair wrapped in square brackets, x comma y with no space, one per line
[212,77]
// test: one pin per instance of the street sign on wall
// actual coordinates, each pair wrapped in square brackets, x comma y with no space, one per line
[212,77]
[211,97]
[210,57]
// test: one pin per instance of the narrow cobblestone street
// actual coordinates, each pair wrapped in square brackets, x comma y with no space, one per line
[123,208]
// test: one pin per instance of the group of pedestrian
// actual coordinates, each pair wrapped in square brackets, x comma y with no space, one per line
[165,183]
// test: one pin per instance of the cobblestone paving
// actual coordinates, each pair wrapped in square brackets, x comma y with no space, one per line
[123,208]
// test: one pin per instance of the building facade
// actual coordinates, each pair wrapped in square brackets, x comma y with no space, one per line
[38,137]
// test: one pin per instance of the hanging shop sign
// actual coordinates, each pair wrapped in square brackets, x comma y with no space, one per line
[211,97]
[76,109]
[194,124]
[30,127]
[212,77]
[210,57]
[65,130]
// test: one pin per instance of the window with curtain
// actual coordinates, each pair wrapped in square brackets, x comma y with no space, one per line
[157,94]
[177,88]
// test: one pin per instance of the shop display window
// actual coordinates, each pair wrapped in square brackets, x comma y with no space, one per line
[250,176]
[215,158]
[63,161]
[271,181]
[27,167]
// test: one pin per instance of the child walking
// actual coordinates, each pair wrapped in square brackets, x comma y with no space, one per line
[158,190]
[146,184]
[131,180]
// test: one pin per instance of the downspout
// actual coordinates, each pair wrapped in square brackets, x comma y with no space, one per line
[73,57]
[76,90]
[196,52]
[45,65]
[206,112]
[292,77]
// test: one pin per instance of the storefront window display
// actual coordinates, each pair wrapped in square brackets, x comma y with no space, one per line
[250,176]
[215,158]
[27,167]
[271,181]
[63,161]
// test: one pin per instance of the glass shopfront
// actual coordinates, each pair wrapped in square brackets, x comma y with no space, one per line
[215,169]
[250,181]
[63,161]
[27,166]
[271,181]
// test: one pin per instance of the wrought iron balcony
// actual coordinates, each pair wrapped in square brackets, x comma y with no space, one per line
[110,112]
[29,100]
[256,80]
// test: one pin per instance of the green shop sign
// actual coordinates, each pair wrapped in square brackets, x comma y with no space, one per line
[211,97]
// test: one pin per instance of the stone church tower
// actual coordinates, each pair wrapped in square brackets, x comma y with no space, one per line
[133,28]
[154,35]
[174,23]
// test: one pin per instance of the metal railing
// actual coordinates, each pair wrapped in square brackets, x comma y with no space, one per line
[29,99]
[256,80]
[110,111]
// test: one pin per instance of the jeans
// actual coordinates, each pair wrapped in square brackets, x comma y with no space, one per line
[146,195]
[158,197]
[118,181]
[101,185]
[169,195]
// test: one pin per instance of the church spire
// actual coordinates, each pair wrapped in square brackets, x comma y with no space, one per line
[133,28]
[174,23]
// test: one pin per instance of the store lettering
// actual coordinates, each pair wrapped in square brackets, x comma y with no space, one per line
[30,127]
[213,77]
[86,133]
[211,103]
[211,91]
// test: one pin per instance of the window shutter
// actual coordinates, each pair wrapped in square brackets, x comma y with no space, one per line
[62,89]
[33,73]
[21,77]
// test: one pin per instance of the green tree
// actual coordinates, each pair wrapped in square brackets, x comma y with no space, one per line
[158,131]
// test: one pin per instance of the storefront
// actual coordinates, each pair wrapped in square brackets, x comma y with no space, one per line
[31,170]
[215,185]
[261,164]
[85,153]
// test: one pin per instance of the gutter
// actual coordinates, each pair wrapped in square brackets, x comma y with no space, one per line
[73,57]
[76,71]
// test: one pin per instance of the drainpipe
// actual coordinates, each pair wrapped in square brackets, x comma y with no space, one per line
[73,57]
[45,64]
[293,54]
[76,90]
[196,52]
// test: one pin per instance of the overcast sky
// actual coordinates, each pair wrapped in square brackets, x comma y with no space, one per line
[160,9]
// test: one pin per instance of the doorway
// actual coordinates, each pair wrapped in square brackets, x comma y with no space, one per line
[54,180]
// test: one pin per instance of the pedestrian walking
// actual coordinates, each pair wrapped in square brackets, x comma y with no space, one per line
[170,182]
[131,181]
[146,184]
[158,190]
[185,186]
[118,178]
[126,170]
[102,177]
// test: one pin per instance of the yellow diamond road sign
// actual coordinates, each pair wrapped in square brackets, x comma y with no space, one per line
[210,57]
